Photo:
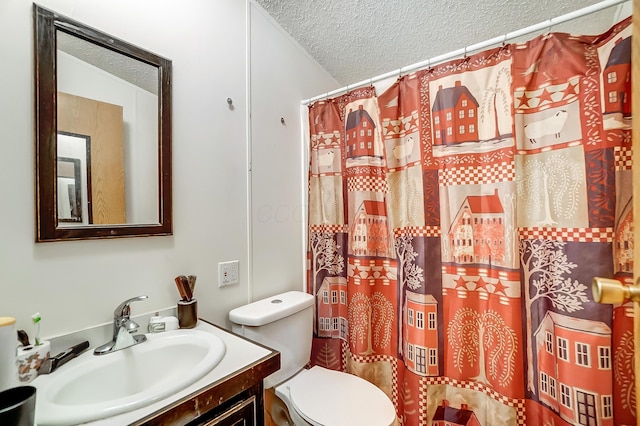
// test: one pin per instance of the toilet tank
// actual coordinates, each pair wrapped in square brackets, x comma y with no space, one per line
[283,322]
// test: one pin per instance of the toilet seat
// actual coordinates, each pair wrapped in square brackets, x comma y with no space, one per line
[326,397]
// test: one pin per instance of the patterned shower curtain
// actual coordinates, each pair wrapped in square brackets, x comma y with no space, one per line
[455,223]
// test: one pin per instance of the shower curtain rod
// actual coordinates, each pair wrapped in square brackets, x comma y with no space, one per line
[484,44]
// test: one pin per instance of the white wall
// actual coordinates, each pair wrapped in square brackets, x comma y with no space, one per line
[75,285]
[278,159]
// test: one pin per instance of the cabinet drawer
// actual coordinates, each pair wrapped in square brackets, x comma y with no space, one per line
[241,414]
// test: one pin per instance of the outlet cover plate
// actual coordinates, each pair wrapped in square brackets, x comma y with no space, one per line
[228,273]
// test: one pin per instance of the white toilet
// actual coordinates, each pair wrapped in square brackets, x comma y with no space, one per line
[316,396]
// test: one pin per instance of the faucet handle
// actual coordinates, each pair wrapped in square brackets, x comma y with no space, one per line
[123,309]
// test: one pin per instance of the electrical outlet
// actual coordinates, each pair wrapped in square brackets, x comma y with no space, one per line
[228,273]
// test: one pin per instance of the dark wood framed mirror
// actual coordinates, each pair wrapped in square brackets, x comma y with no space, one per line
[119,96]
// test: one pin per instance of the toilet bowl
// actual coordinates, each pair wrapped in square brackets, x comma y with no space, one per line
[322,397]
[317,396]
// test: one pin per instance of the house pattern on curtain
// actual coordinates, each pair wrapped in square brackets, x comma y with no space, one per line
[455,223]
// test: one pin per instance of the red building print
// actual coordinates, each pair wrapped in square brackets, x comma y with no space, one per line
[332,308]
[359,133]
[574,369]
[617,79]
[370,230]
[421,334]
[446,415]
[455,115]
[477,231]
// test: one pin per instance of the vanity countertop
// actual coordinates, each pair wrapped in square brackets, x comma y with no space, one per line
[244,364]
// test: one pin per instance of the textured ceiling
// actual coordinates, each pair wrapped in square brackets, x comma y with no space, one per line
[358,39]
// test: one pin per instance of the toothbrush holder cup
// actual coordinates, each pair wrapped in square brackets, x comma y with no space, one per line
[187,313]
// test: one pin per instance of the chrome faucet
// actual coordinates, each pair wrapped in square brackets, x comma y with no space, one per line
[123,327]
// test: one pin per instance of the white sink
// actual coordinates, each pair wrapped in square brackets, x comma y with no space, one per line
[94,387]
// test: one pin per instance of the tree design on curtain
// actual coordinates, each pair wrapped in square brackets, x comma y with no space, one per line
[545,274]
[494,96]
[371,320]
[467,207]
[326,357]
[550,189]
[325,257]
[410,275]
[481,339]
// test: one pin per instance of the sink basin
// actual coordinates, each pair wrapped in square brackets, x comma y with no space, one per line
[95,387]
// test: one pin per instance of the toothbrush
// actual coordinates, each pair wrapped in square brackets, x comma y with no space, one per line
[36,318]
[192,282]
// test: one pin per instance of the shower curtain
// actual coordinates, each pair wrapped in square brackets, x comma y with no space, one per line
[455,223]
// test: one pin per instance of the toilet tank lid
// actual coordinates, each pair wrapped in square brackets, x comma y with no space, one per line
[271,309]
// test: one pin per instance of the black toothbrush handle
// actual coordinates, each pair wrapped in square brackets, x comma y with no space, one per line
[71,353]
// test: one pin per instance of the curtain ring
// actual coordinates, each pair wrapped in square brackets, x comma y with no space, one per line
[549,26]
[504,40]
[465,58]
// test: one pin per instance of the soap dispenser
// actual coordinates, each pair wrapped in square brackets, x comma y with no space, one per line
[156,325]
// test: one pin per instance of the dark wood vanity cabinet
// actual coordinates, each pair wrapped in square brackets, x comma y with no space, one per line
[234,400]
[241,412]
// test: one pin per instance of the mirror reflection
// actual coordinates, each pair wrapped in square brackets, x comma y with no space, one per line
[112,99]
[73,179]
[103,134]
[69,190]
